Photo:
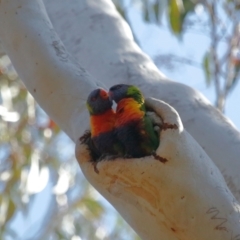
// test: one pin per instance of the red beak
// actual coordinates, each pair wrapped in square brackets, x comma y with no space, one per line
[103,93]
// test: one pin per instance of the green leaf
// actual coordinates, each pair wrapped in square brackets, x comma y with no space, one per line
[10,207]
[95,209]
[175,16]
[155,7]
[188,7]
[120,10]
[11,210]
[206,67]
[146,14]
[60,235]
[178,10]
[145,10]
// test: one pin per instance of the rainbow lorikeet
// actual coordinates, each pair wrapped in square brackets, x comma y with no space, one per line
[134,129]
[102,120]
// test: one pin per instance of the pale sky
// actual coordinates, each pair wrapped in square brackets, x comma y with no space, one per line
[156,40]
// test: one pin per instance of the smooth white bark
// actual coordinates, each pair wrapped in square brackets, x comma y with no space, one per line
[105,48]
[96,35]
[100,39]
[180,196]
[55,80]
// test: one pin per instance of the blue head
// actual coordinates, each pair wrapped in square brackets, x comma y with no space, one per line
[120,91]
[98,102]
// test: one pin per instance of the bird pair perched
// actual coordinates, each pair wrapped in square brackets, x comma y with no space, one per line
[126,132]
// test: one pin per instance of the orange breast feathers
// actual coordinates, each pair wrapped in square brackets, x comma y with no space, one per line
[128,110]
[102,123]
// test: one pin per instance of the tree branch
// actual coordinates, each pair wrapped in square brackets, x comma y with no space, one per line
[182,197]
[42,61]
[100,39]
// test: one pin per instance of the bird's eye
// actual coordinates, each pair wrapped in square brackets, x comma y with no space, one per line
[93,99]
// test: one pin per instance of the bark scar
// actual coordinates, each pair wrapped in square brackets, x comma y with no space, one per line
[161,159]
[60,50]
[166,126]
[215,216]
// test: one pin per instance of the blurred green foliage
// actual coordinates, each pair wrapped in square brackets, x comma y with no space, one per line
[34,156]
[34,153]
